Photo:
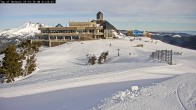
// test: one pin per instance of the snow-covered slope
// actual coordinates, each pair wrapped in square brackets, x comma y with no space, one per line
[118,35]
[63,81]
[177,93]
[26,30]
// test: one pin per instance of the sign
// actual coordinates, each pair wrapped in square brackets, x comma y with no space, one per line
[27,1]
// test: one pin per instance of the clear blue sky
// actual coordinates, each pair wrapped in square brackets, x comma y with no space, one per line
[150,15]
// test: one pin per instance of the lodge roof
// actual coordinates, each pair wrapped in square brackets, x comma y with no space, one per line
[59,25]
[99,12]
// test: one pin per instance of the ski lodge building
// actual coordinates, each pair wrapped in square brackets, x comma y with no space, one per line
[96,29]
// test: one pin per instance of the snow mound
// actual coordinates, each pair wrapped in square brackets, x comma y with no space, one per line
[177,93]
[125,95]
[120,96]
[26,30]
[134,88]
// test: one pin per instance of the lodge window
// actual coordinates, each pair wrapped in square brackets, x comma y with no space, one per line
[91,31]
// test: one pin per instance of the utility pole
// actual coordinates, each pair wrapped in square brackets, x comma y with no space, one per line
[118,52]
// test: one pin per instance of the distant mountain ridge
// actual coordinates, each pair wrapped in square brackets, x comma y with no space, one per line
[28,29]
[179,39]
[16,35]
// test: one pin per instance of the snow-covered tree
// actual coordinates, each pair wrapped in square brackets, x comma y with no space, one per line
[29,49]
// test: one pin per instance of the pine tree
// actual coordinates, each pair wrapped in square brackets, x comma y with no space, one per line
[11,64]
[93,59]
[101,57]
[105,55]
[30,65]
[29,49]
[36,46]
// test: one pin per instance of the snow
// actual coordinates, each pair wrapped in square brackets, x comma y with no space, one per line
[176,36]
[2,56]
[129,81]
[27,29]
[118,35]
[177,93]
[134,88]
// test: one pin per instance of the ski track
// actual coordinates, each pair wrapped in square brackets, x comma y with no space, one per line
[90,80]
[109,77]
[178,96]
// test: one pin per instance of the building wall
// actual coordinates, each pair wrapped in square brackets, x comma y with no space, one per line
[99,16]
[82,24]
[108,33]
[137,33]
[129,33]
[56,43]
